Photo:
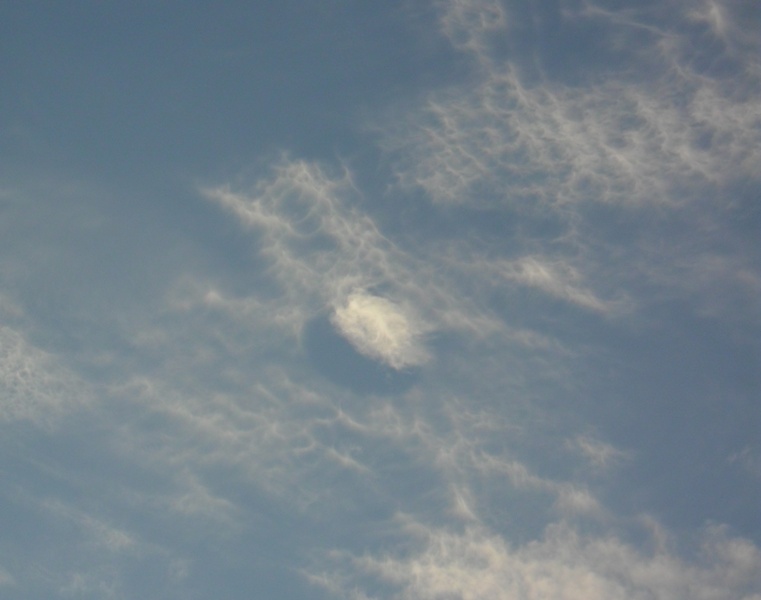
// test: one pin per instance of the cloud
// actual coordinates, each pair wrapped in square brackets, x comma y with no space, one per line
[87,549]
[102,534]
[33,386]
[468,24]
[628,157]
[387,296]
[275,433]
[556,278]
[516,138]
[723,277]
[320,248]
[381,330]
[217,406]
[91,582]
[510,143]
[749,460]
[324,253]
[475,564]
[601,456]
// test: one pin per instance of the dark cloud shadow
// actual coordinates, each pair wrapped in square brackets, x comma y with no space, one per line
[337,360]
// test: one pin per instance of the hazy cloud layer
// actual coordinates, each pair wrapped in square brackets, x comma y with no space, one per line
[529,368]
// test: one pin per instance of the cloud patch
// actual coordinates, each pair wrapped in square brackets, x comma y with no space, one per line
[323,251]
[515,136]
[380,329]
[555,278]
[565,563]
[33,386]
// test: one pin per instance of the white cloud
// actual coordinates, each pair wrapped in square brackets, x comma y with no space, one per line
[275,434]
[94,582]
[749,459]
[723,282]
[655,143]
[103,535]
[85,551]
[601,456]
[325,253]
[194,499]
[468,24]
[33,386]
[319,247]
[380,329]
[222,406]
[734,23]
[515,139]
[556,278]
[564,564]
[510,143]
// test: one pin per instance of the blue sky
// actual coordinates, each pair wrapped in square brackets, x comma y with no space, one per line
[376,300]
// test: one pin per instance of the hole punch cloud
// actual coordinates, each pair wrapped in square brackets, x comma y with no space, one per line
[380,329]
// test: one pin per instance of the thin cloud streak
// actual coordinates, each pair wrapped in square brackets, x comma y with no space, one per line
[475,564]
[558,279]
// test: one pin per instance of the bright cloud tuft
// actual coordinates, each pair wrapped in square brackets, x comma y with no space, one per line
[381,330]
[564,564]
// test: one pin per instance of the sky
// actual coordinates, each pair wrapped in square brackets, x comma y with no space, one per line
[413,299]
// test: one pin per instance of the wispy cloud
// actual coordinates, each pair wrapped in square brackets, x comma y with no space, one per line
[469,24]
[222,403]
[553,277]
[601,456]
[33,386]
[658,144]
[563,564]
[514,138]
[321,249]
[102,534]
[93,554]
[327,255]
